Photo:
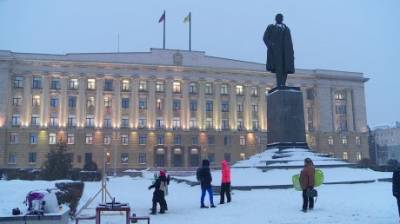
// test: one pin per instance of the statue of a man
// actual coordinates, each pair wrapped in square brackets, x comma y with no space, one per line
[280,56]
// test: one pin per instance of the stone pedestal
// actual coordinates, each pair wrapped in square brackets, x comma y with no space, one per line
[285,117]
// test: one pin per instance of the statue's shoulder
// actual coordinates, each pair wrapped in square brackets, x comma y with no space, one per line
[270,28]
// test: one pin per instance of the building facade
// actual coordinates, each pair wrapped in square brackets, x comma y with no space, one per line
[163,108]
[387,143]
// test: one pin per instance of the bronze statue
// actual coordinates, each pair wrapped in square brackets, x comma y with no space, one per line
[280,56]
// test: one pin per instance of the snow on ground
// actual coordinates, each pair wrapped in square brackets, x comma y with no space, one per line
[347,204]
[294,157]
[256,177]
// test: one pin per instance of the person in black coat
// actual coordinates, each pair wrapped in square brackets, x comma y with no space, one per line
[160,188]
[396,183]
[205,179]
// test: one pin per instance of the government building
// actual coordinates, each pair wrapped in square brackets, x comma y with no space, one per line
[163,108]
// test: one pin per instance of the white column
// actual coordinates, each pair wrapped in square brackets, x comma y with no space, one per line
[262,108]
[168,104]
[116,110]
[44,101]
[27,101]
[349,109]
[247,110]
[201,105]
[134,112]
[99,101]
[151,104]
[217,105]
[232,107]
[185,104]
[81,104]
[63,115]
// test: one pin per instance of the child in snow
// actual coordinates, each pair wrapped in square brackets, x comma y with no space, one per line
[225,182]
[204,177]
[160,188]
[307,183]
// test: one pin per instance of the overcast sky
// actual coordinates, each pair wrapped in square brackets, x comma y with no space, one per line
[351,35]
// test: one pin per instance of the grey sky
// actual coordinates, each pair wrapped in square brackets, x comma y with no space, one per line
[356,35]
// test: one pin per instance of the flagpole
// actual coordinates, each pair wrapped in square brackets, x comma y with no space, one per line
[165,17]
[190,31]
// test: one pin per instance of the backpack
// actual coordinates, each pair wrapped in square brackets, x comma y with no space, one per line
[198,174]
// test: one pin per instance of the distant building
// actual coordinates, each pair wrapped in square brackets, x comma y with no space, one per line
[387,143]
[163,108]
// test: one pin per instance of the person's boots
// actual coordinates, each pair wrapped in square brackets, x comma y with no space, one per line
[154,209]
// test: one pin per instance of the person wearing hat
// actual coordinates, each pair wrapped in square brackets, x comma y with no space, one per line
[307,176]
[205,179]
[160,190]
[396,182]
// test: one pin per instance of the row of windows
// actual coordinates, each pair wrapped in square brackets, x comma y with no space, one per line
[73,84]
[142,122]
[125,102]
[344,140]
[124,139]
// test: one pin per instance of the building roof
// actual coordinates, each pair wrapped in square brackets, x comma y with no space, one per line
[171,57]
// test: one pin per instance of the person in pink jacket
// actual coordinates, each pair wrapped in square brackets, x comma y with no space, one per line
[225,182]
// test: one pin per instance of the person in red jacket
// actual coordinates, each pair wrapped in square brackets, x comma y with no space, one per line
[307,176]
[225,182]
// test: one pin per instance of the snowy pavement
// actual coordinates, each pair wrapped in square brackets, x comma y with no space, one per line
[347,204]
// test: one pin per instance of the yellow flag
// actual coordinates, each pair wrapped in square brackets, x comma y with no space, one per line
[187,18]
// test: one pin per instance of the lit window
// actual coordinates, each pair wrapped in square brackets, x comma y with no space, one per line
[345,156]
[90,101]
[193,123]
[142,104]
[176,123]
[107,140]
[340,95]
[89,138]
[70,139]
[358,156]
[17,101]
[159,86]
[242,140]
[52,138]
[125,85]
[330,140]
[124,140]
[208,89]
[242,156]
[358,140]
[142,85]
[239,90]
[254,108]
[159,104]
[107,101]
[90,120]
[91,84]
[343,140]
[254,91]
[176,87]
[224,89]
[36,100]
[73,84]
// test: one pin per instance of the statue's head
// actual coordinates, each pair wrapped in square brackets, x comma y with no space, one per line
[279,18]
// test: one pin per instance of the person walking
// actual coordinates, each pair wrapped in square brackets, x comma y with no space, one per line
[307,176]
[205,179]
[396,183]
[160,188]
[225,182]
